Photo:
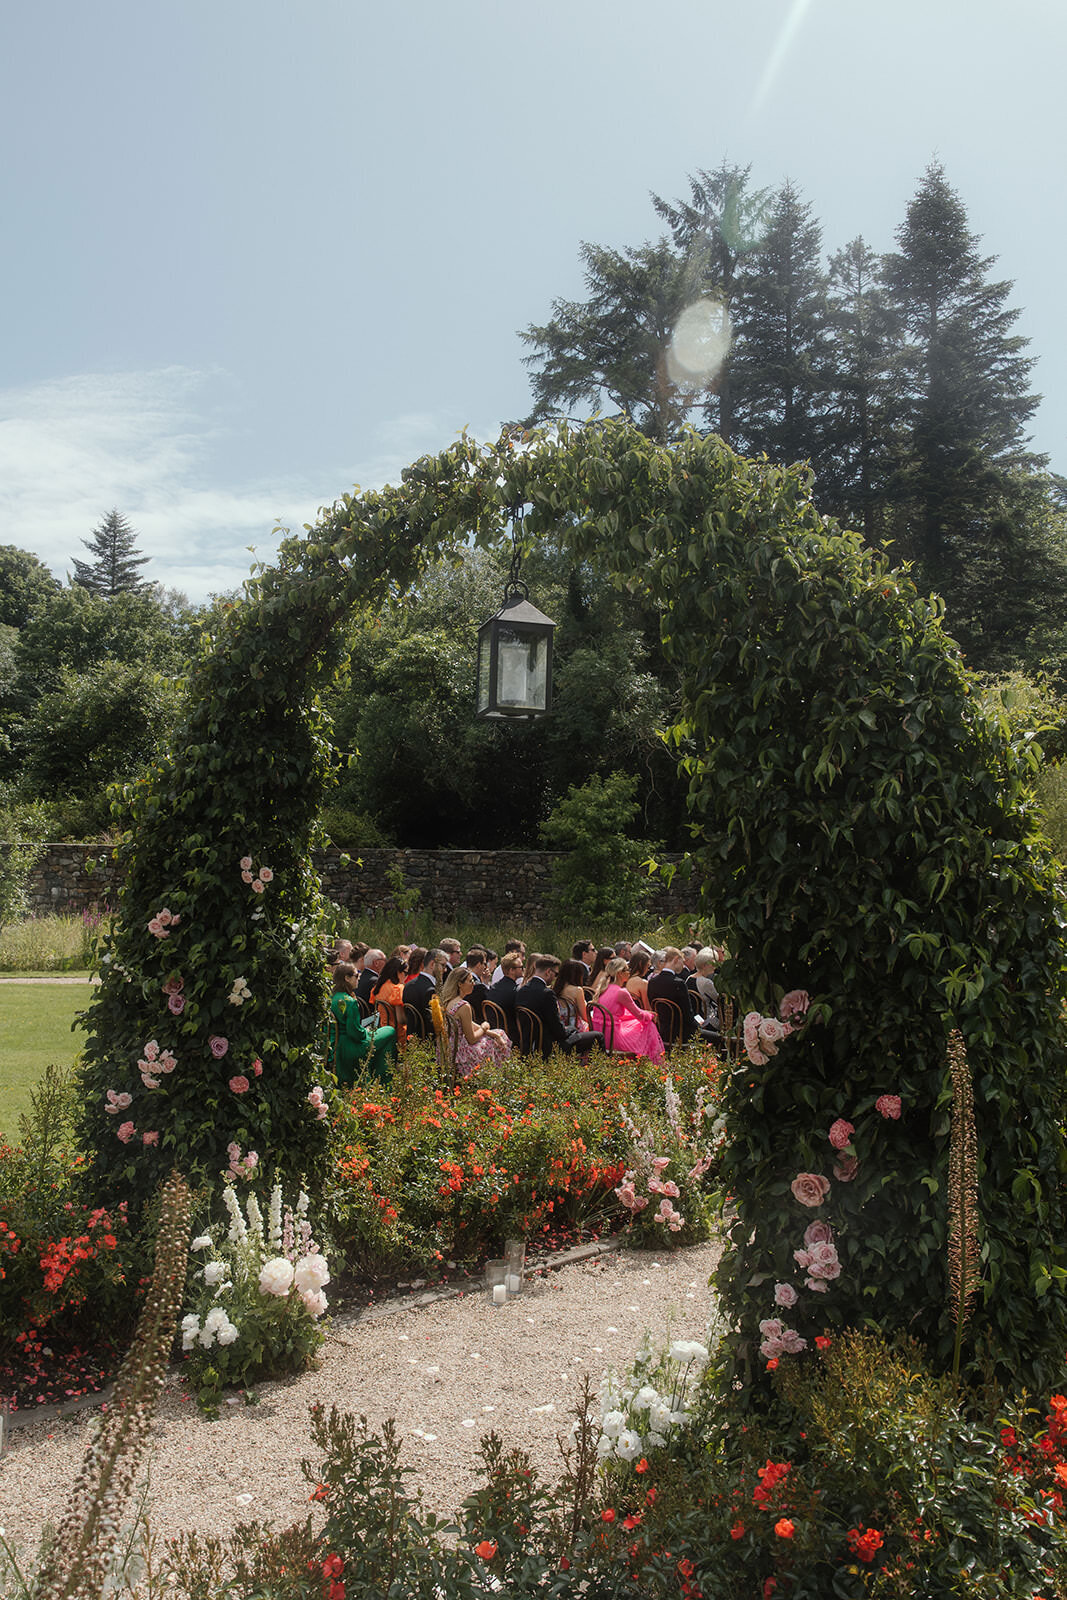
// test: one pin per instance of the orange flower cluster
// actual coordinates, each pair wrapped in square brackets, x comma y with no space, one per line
[61,1257]
[9,1243]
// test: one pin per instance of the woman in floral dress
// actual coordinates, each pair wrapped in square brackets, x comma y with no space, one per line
[475,1042]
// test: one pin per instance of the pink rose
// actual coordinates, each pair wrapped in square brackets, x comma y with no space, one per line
[794,1004]
[840,1133]
[148,1081]
[165,917]
[117,1102]
[176,1004]
[167,1062]
[845,1168]
[156,928]
[792,1343]
[771,1033]
[823,1262]
[246,876]
[257,1067]
[660,1162]
[888,1105]
[810,1188]
[240,1085]
[218,1046]
[174,984]
[251,1159]
[257,885]
[802,1259]
[750,1029]
[640,1202]
[816,1285]
[266,875]
[785,1295]
[818,1233]
[150,1138]
[151,1050]
[246,863]
[126,1132]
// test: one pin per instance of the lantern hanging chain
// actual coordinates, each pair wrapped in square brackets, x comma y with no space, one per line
[514,583]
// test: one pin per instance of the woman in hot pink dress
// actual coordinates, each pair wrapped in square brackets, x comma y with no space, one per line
[636,1033]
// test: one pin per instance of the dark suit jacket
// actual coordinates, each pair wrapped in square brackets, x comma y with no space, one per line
[475,999]
[366,981]
[667,985]
[538,998]
[418,993]
[503,993]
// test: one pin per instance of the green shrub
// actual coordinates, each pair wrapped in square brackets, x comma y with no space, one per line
[599,878]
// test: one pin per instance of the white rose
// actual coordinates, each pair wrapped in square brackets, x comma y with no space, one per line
[628,1445]
[614,1422]
[646,1397]
[604,1446]
[276,1276]
[191,1323]
[203,1243]
[216,1319]
[659,1417]
[312,1272]
[207,1337]
[227,1333]
[189,1339]
[315,1301]
[214,1272]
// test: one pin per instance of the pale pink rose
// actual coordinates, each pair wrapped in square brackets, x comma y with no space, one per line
[257,886]
[840,1133]
[772,1331]
[176,1004]
[148,1081]
[117,1101]
[240,1085]
[157,930]
[785,1295]
[640,1202]
[666,1209]
[792,1343]
[150,1138]
[246,876]
[654,1186]
[165,917]
[625,1191]
[257,1067]
[245,863]
[660,1162]
[757,1057]
[315,1301]
[266,875]
[818,1233]
[175,919]
[794,1004]
[810,1188]
[816,1285]
[167,1062]
[750,1030]
[802,1259]
[218,1046]
[888,1105]
[845,1168]
[823,1262]
[151,1050]
[771,1032]
[251,1159]
[174,984]
[276,1276]
[677,1223]
[672,1189]
[233,1150]
[126,1132]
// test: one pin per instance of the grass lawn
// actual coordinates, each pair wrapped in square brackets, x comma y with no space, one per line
[35,1021]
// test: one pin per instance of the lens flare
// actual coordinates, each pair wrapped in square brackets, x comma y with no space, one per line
[699,344]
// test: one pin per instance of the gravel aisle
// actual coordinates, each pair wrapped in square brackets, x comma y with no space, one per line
[448,1373]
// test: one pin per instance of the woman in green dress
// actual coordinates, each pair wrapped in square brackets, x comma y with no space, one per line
[362,1049]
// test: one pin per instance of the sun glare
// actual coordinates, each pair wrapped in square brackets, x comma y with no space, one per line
[699,344]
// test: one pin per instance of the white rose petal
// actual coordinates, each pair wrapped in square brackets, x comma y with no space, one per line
[276,1277]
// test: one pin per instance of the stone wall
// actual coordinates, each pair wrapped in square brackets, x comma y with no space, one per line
[507,887]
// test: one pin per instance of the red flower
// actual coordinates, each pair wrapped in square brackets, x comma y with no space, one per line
[632,1521]
[864,1544]
[772,1363]
[337,1591]
[564,1565]
[686,1568]
[737,1531]
[642,1465]
[487,1549]
[607,1516]
[332,1567]
[784,1528]
[822,1342]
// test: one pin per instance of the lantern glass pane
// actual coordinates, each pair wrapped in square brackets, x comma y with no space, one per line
[522,670]
[484,654]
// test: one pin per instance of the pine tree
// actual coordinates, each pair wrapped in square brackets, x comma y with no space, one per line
[114,568]
[967,384]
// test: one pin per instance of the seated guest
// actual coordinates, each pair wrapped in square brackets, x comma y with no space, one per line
[402,953]
[603,956]
[373,962]
[688,971]
[569,990]
[532,959]
[636,1033]
[475,1042]
[390,993]
[669,984]
[424,986]
[357,1041]
[416,956]
[707,996]
[536,996]
[624,949]
[585,952]
[453,952]
[638,979]
[477,965]
[512,947]
[506,987]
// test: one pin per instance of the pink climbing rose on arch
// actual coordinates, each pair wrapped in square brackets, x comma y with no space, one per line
[841,1133]
[888,1105]
[810,1188]
[218,1046]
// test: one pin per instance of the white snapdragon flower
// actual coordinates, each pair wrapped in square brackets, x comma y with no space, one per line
[255,1215]
[628,1445]
[238,1229]
[276,1277]
[614,1422]
[312,1272]
[276,1219]
[203,1243]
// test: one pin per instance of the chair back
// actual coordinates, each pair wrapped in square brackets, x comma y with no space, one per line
[496,1017]
[419,1025]
[669,1021]
[389,1016]
[529,1033]
[602,1021]
[365,1007]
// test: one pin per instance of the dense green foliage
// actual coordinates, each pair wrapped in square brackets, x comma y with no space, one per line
[863,833]
[599,876]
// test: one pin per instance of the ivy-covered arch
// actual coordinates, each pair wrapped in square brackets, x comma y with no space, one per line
[860,825]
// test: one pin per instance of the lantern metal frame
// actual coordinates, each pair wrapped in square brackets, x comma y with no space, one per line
[518,622]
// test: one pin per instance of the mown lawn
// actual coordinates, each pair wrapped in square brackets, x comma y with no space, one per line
[35,1030]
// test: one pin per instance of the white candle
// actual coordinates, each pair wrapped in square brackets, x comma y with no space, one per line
[513,1283]
[500,1294]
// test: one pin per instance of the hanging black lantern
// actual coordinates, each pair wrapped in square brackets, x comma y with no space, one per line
[515,653]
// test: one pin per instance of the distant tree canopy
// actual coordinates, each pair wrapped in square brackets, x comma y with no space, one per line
[897,378]
[114,567]
[25,586]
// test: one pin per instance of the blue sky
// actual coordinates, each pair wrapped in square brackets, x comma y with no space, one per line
[255,253]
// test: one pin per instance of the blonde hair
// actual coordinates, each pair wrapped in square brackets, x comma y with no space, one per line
[450,988]
[610,973]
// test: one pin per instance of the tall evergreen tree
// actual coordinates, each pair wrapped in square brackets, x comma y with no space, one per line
[865,401]
[720,224]
[114,567]
[968,398]
[781,354]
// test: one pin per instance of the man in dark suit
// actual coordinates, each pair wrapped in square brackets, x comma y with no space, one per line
[419,991]
[478,967]
[537,997]
[669,984]
[506,987]
[373,962]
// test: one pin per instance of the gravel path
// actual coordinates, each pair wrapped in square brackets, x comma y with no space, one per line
[448,1373]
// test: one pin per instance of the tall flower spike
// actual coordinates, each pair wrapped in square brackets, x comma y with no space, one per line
[962,1193]
[80,1556]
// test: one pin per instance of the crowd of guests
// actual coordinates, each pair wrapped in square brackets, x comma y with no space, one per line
[600,997]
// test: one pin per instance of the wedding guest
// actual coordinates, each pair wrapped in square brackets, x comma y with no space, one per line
[569,989]
[425,985]
[373,962]
[635,1029]
[603,956]
[387,997]
[477,965]
[506,987]
[536,996]
[638,979]
[357,1041]
[512,947]
[475,1042]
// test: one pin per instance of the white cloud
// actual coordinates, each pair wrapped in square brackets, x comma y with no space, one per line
[72,448]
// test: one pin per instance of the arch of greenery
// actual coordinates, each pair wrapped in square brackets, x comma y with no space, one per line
[861,827]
